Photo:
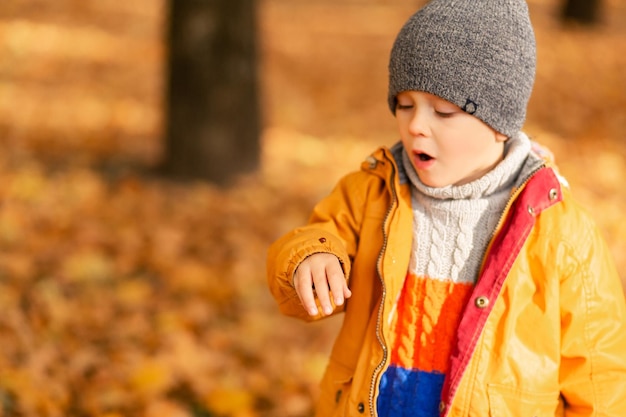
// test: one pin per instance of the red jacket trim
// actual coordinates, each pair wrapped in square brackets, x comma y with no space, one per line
[541,192]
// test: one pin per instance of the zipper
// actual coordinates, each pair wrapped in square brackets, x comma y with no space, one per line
[507,209]
[379,336]
[498,228]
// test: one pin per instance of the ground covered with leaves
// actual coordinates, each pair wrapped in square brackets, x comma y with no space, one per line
[125,294]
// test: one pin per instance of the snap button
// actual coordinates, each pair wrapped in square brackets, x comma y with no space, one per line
[442,407]
[531,210]
[361,408]
[481,302]
[553,194]
[371,161]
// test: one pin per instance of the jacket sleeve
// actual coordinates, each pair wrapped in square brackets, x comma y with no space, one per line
[332,228]
[593,329]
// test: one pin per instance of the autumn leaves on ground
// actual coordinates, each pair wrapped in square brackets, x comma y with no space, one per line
[123,294]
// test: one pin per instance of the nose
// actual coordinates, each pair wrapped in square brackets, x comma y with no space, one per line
[419,125]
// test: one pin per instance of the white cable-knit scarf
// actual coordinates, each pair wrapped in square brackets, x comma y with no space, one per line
[452,225]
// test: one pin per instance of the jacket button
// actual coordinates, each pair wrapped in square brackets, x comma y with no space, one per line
[553,194]
[531,210]
[361,408]
[322,240]
[481,302]
[371,161]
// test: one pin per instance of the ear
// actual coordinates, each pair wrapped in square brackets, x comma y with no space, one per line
[501,137]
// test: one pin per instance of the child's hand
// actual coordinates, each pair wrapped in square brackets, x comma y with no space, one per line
[318,274]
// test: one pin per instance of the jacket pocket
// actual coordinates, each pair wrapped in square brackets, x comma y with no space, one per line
[506,401]
[335,390]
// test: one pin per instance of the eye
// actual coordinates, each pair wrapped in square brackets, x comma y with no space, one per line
[401,106]
[445,114]
[445,109]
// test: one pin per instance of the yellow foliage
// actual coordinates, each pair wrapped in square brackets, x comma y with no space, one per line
[87,266]
[124,295]
[230,402]
[166,408]
[150,378]
[134,293]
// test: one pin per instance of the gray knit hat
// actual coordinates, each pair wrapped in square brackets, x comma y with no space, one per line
[477,54]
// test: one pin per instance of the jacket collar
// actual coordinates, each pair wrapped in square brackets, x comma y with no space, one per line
[377,163]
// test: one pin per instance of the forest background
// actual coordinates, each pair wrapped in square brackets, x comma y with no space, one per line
[126,294]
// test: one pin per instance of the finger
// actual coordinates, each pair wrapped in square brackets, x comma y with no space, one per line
[336,281]
[303,283]
[347,293]
[321,288]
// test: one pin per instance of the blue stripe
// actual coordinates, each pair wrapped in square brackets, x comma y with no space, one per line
[409,393]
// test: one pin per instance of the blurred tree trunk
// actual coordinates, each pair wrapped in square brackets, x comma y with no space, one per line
[213,121]
[582,11]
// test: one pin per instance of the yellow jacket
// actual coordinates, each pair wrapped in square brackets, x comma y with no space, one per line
[543,335]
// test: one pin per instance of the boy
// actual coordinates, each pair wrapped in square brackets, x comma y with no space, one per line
[472,283]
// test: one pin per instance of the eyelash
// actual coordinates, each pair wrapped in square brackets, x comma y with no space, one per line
[444,115]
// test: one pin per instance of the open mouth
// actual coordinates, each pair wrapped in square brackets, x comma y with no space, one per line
[424,157]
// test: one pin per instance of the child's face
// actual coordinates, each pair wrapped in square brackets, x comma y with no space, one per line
[446,145]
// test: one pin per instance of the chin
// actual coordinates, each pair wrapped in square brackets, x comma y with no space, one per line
[433,183]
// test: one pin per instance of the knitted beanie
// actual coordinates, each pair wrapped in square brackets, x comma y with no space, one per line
[477,54]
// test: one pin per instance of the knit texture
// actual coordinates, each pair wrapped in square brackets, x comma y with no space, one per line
[452,228]
[477,54]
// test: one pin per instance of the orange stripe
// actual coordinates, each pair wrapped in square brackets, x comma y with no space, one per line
[428,314]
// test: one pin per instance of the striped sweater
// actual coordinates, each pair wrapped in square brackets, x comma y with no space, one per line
[452,228]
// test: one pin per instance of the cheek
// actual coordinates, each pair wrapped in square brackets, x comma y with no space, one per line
[465,146]
[458,143]
[402,124]
[405,135]
[470,140]
[407,144]
[460,155]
